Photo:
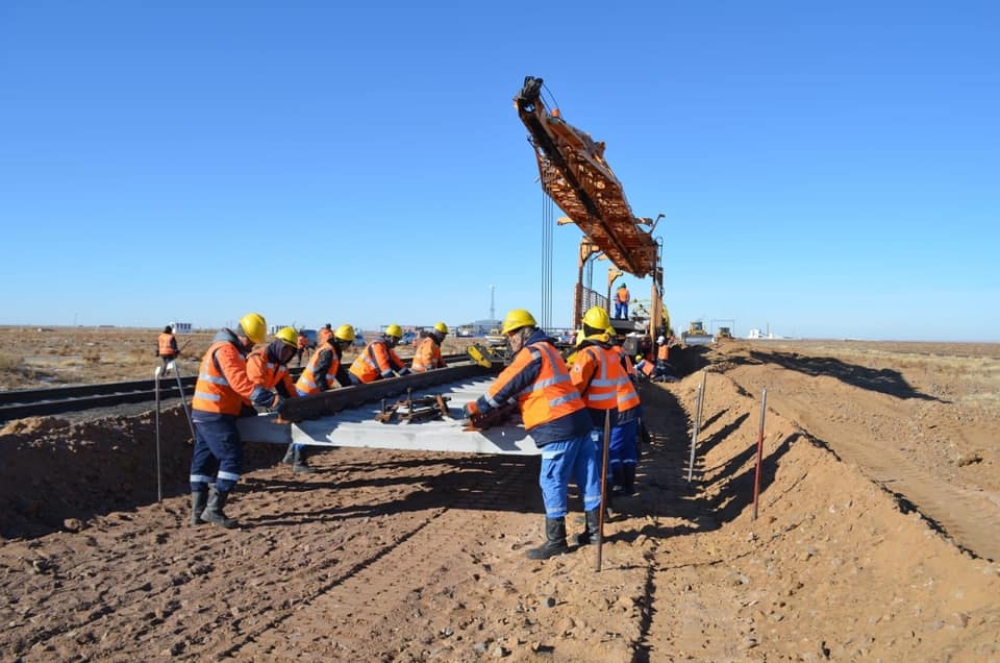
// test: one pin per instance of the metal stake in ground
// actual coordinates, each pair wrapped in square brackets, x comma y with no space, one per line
[760,452]
[159,475]
[604,485]
[697,425]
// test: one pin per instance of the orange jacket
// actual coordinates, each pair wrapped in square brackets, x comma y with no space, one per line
[270,374]
[166,345]
[377,361]
[223,385]
[537,377]
[428,356]
[622,295]
[596,374]
[313,379]
[663,352]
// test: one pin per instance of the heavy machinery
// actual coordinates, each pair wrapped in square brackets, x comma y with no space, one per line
[576,177]
[696,334]
[723,334]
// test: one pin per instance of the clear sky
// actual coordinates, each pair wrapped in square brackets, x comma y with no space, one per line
[827,169]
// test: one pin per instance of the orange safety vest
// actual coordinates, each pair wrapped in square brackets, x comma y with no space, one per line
[307,383]
[166,345]
[622,295]
[551,396]
[223,386]
[269,374]
[428,356]
[662,352]
[377,361]
[596,374]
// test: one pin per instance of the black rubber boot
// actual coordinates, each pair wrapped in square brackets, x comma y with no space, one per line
[617,479]
[300,465]
[213,510]
[555,540]
[593,521]
[628,479]
[289,454]
[199,499]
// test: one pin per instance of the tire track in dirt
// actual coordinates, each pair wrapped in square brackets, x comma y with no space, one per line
[352,607]
[863,428]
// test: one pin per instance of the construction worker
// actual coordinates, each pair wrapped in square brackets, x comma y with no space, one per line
[222,390]
[324,334]
[268,366]
[166,348]
[379,360]
[599,376]
[622,299]
[663,372]
[428,354]
[555,415]
[302,343]
[323,372]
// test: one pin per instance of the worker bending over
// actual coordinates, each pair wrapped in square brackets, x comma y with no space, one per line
[379,360]
[428,355]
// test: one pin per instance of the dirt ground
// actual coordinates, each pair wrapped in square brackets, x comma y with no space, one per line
[876,537]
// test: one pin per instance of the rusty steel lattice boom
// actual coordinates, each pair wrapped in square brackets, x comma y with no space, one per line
[576,176]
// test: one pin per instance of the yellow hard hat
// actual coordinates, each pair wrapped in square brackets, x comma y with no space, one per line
[597,318]
[288,336]
[344,333]
[441,327]
[516,319]
[579,337]
[394,330]
[611,332]
[254,327]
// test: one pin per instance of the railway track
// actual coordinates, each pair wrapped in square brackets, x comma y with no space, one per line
[59,400]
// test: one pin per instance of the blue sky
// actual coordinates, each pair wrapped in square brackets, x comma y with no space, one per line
[826,169]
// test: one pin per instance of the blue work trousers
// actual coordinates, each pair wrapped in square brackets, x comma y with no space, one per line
[218,453]
[624,449]
[575,459]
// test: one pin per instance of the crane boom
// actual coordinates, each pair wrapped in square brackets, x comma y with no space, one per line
[576,176]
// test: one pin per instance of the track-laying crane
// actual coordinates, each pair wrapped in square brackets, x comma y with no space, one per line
[578,179]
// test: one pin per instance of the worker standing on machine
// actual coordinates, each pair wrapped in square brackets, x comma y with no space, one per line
[379,360]
[323,372]
[622,299]
[555,415]
[428,355]
[222,389]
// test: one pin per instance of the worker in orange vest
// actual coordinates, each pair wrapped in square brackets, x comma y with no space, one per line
[220,394]
[379,360]
[324,334]
[268,366]
[323,372]
[556,417]
[428,354]
[166,348]
[622,299]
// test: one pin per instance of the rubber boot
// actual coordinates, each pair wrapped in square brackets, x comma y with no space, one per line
[199,499]
[617,479]
[289,454]
[628,479]
[555,540]
[300,466]
[213,510]
[593,521]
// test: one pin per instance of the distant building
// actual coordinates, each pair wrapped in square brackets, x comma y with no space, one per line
[182,327]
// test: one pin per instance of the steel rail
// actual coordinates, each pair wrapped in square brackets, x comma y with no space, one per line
[18,404]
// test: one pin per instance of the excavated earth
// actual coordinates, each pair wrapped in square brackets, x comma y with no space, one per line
[868,530]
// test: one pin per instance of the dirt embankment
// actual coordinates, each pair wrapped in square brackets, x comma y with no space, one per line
[875,529]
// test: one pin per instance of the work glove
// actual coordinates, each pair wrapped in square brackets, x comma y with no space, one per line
[470,410]
[263,398]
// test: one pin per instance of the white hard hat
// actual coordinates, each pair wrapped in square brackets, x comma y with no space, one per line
[661,340]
